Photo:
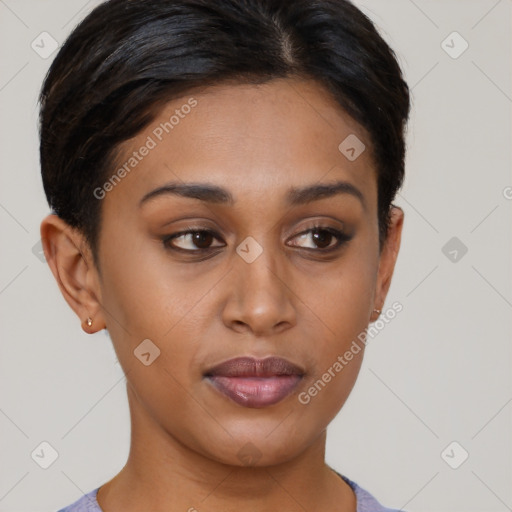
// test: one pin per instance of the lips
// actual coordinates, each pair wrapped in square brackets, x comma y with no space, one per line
[254,382]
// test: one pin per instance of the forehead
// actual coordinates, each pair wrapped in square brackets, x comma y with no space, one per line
[249,138]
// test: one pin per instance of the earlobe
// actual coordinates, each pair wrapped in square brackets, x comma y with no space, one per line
[389,255]
[72,266]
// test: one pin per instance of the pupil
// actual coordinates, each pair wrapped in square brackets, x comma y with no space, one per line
[322,238]
[202,239]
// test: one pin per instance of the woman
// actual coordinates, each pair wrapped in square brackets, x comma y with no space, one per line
[221,176]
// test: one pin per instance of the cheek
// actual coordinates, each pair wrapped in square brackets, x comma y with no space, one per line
[146,297]
[341,298]
[139,300]
[342,303]
[141,289]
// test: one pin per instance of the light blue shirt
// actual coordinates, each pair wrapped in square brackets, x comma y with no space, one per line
[365,501]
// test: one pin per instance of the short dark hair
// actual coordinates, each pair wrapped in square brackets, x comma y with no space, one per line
[128,56]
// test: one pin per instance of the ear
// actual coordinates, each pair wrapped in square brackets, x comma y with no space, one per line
[388,256]
[70,260]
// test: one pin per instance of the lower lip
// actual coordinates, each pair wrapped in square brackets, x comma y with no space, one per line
[256,392]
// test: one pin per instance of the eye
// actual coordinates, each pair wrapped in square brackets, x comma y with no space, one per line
[323,238]
[192,240]
[317,239]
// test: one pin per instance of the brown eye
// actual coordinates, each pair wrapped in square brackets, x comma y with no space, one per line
[202,239]
[191,241]
[321,239]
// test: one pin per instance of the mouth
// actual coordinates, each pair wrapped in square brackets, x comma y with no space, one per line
[255,383]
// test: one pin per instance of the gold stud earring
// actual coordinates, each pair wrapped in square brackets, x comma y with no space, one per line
[378,311]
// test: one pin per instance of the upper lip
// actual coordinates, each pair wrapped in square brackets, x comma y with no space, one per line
[253,367]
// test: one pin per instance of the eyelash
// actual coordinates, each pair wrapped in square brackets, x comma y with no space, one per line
[342,239]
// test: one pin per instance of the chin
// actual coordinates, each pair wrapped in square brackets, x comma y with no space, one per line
[267,447]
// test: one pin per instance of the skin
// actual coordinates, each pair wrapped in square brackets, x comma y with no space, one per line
[293,301]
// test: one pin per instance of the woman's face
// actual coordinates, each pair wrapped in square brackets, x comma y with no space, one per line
[275,267]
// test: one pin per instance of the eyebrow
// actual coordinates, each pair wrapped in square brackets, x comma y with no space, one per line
[202,191]
[304,195]
[295,196]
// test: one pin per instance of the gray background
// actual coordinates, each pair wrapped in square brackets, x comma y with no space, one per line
[439,372]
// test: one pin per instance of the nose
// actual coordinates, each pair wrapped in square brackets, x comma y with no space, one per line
[260,298]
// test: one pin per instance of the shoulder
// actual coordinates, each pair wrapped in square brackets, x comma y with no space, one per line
[365,501]
[87,503]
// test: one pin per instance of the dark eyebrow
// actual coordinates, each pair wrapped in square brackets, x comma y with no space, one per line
[298,196]
[202,191]
[295,196]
